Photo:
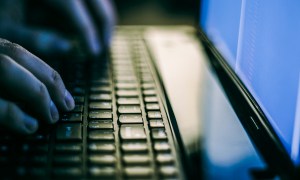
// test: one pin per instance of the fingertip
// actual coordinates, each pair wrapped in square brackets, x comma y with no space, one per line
[54,113]
[31,124]
[70,103]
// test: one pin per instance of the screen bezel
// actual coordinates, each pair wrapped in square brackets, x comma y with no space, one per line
[248,111]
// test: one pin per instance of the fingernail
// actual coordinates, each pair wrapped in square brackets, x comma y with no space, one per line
[69,100]
[30,124]
[54,112]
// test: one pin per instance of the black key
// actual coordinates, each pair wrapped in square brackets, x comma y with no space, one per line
[37,171]
[69,132]
[36,148]
[132,132]
[126,86]
[75,148]
[102,147]
[78,91]
[104,172]
[101,125]
[78,99]
[164,158]
[67,159]
[152,106]
[102,159]
[100,115]
[129,109]
[162,147]
[145,172]
[134,147]
[159,134]
[168,171]
[148,86]
[101,135]
[128,101]
[130,118]
[100,89]
[151,99]
[38,159]
[136,159]
[127,93]
[149,92]
[100,97]
[156,124]
[72,117]
[78,109]
[154,114]
[100,105]
[67,171]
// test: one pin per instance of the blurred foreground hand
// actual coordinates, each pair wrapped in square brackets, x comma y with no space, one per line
[92,22]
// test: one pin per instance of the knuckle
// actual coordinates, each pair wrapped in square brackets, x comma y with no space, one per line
[5,65]
[12,113]
[56,80]
[42,91]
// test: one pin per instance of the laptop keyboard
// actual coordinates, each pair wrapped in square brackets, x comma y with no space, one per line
[118,129]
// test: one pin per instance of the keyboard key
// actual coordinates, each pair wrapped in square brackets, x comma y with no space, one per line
[144,172]
[101,135]
[100,97]
[128,101]
[136,159]
[78,99]
[78,91]
[134,147]
[71,117]
[148,86]
[168,171]
[69,132]
[100,89]
[101,125]
[154,114]
[129,109]
[102,159]
[151,99]
[78,109]
[104,172]
[127,93]
[156,124]
[152,106]
[67,159]
[125,79]
[159,134]
[37,171]
[100,81]
[67,148]
[67,172]
[149,92]
[132,132]
[162,147]
[100,115]
[126,86]
[100,105]
[102,147]
[130,118]
[164,158]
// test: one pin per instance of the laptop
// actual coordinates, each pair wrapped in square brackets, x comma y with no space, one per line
[129,123]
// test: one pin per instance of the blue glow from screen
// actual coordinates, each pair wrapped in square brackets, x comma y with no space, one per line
[260,40]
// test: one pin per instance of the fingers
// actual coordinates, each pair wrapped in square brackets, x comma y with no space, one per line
[81,19]
[12,118]
[25,88]
[44,73]
[106,17]
[42,42]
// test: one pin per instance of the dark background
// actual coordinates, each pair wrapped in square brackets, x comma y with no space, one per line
[156,12]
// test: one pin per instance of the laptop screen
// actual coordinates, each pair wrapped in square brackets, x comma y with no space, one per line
[260,41]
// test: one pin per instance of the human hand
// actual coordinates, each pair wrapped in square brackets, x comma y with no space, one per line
[30,90]
[91,21]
